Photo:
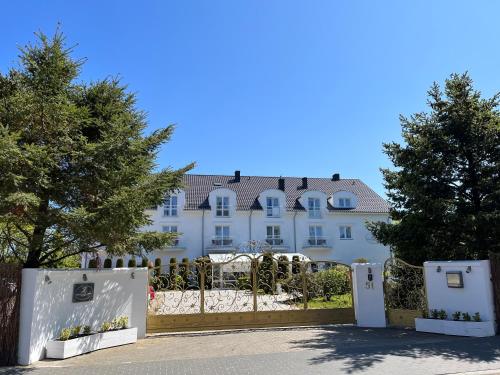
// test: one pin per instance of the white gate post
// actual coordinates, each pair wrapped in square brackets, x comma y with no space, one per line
[368,291]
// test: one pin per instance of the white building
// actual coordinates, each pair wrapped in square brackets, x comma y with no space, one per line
[322,218]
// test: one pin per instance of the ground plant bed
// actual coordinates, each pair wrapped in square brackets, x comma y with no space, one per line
[456,328]
[59,349]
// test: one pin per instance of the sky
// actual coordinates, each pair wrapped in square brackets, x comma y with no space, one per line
[291,88]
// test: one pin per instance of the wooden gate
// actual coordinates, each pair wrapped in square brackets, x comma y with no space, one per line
[10,295]
[247,291]
[404,293]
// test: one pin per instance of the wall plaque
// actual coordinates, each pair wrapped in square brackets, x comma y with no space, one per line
[83,292]
[454,279]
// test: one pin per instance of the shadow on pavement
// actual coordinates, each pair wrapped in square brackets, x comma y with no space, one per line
[362,348]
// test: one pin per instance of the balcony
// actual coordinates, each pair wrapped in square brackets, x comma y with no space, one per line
[175,246]
[273,211]
[276,243]
[314,213]
[317,243]
[221,245]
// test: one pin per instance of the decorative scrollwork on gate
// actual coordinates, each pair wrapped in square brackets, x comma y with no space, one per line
[404,286]
[246,283]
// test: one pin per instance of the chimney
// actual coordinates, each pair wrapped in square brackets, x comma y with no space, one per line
[281,184]
[336,177]
[237,176]
[304,182]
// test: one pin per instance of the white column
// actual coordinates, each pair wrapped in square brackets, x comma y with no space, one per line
[368,290]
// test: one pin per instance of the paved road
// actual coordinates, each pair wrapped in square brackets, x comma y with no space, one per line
[324,350]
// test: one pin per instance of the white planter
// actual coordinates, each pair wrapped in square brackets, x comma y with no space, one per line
[456,328]
[70,348]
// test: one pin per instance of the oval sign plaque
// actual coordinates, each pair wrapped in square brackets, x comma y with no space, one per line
[83,292]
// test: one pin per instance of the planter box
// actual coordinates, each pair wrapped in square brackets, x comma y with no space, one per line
[456,328]
[70,348]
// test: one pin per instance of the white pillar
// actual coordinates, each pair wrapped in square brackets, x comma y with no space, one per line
[368,290]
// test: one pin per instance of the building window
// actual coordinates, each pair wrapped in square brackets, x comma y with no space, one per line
[222,206]
[170,206]
[171,229]
[313,206]
[316,236]
[222,237]
[273,235]
[345,202]
[272,207]
[345,232]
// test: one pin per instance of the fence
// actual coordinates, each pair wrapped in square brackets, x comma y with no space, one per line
[10,294]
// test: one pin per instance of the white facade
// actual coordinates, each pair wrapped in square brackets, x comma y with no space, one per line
[327,224]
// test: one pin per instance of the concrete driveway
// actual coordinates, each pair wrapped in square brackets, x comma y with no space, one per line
[319,350]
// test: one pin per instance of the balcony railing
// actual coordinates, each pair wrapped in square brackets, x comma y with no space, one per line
[274,241]
[316,242]
[222,241]
[314,213]
[273,212]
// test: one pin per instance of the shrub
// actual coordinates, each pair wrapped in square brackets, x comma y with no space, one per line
[86,330]
[157,270]
[477,317]
[244,283]
[327,283]
[456,315]
[295,264]
[360,260]
[75,331]
[144,262]
[466,317]
[65,334]
[184,271]
[106,326]
[172,271]
[107,263]
[265,273]
[119,263]
[132,263]
[434,313]
[283,270]
[92,263]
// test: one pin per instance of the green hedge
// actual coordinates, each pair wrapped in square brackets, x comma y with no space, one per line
[132,263]
[108,263]
[119,263]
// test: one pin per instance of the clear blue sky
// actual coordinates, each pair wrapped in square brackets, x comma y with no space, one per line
[296,88]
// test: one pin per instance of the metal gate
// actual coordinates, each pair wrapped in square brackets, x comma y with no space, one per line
[404,293]
[10,295]
[248,291]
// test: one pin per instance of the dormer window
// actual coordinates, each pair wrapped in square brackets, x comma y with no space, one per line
[272,207]
[345,202]
[222,206]
[170,206]
[313,207]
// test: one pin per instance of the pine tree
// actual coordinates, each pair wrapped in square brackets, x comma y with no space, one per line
[445,190]
[76,170]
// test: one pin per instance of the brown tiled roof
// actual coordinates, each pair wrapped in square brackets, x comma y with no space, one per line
[197,188]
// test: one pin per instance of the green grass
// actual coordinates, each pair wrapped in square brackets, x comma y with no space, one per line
[335,302]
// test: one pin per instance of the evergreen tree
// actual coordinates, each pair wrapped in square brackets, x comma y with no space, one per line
[445,190]
[76,171]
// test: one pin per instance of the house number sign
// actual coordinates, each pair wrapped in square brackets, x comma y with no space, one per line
[83,292]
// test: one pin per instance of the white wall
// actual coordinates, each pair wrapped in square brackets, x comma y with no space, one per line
[475,296]
[368,294]
[47,307]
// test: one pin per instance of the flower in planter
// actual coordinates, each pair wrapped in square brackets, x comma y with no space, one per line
[442,314]
[75,331]
[123,322]
[477,317]
[86,330]
[106,326]
[65,334]
[434,314]
[466,317]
